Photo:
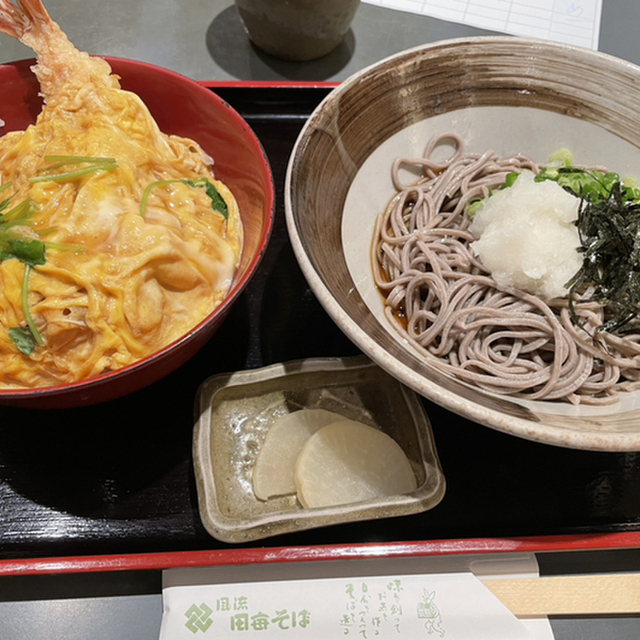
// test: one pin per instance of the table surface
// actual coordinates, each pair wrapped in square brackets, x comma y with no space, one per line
[205,40]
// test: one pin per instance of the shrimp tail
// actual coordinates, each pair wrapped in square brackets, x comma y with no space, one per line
[17,20]
[60,64]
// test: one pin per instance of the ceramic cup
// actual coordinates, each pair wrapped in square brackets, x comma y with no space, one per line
[297,29]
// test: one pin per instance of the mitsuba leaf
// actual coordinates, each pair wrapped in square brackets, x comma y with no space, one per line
[31,252]
[23,339]
[217,202]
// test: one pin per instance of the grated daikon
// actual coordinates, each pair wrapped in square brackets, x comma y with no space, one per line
[526,236]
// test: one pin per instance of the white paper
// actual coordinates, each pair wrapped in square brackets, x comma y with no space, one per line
[455,605]
[433,597]
[574,22]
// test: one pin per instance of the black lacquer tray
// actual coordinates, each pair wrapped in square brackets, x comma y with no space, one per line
[117,478]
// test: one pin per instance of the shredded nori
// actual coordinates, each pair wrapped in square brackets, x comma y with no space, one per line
[609,227]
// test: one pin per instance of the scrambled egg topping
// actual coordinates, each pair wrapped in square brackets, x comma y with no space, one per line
[136,252]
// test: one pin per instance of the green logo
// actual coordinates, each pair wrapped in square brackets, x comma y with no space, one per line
[199,618]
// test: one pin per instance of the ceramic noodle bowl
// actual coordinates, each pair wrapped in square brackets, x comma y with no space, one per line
[509,95]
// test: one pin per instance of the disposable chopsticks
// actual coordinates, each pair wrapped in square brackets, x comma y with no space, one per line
[569,595]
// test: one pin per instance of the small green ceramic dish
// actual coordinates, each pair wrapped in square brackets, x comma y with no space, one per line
[233,415]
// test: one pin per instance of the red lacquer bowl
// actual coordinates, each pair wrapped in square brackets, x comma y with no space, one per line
[186,108]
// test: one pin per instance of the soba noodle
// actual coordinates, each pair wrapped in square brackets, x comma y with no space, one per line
[444,302]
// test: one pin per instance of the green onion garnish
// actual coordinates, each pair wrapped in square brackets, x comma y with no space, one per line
[147,191]
[95,165]
[63,160]
[64,247]
[25,307]
[5,203]
[20,214]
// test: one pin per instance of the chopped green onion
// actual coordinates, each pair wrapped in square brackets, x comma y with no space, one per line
[64,247]
[25,307]
[42,233]
[592,185]
[474,205]
[510,179]
[561,158]
[63,161]
[147,191]
[108,165]
[20,214]
[77,159]
[4,204]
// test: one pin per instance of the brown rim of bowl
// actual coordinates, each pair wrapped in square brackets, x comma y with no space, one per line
[570,80]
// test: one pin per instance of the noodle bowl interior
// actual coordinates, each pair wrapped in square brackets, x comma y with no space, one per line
[577,375]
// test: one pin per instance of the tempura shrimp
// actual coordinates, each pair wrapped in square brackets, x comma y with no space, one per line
[60,64]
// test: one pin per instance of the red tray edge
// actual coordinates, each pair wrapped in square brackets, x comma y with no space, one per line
[182,559]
